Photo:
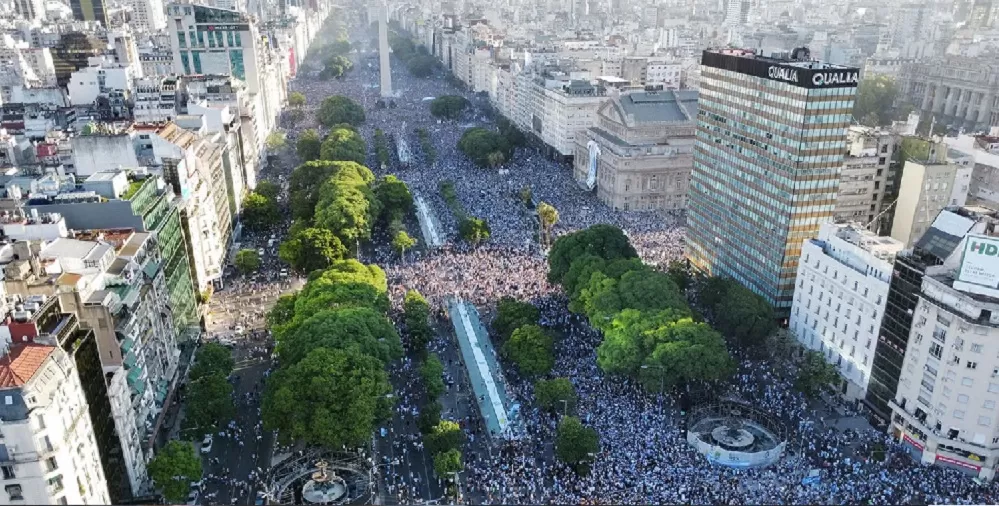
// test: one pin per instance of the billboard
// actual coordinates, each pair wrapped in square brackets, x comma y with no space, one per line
[980,262]
[801,74]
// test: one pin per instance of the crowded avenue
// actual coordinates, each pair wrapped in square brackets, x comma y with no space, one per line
[644,456]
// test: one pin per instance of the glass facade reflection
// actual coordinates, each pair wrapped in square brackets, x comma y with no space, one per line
[770,141]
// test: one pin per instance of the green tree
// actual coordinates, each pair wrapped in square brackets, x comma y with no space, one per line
[346,283]
[448,463]
[679,271]
[247,260]
[815,375]
[361,328]
[332,398]
[339,109]
[478,143]
[282,312]
[495,159]
[394,196]
[268,190]
[510,132]
[710,290]
[432,373]
[874,104]
[548,217]
[335,66]
[212,358]
[275,141]
[260,212]
[296,99]
[304,185]
[421,66]
[684,351]
[643,290]
[604,241]
[312,249]
[532,349]
[574,442]
[209,402]
[344,144]
[309,146]
[583,268]
[416,315]
[474,230]
[512,314]
[173,469]
[745,316]
[348,208]
[625,346]
[446,435]
[402,242]
[555,395]
[448,106]
[429,417]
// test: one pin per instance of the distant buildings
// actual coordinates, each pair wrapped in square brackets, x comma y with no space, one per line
[640,153]
[868,171]
[959,91]
[90,10]
[770,142]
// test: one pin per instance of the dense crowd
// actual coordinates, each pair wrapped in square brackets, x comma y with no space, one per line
[644,458]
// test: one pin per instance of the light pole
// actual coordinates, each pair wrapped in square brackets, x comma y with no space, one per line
[662,376]
[565,407]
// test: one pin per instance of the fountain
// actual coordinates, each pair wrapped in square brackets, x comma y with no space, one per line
[325,487]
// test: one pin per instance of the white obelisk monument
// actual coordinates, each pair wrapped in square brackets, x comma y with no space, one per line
[383,52]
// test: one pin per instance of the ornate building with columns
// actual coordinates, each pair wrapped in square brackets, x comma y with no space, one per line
[960,92]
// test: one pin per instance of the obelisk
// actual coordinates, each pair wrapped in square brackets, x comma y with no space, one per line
[383,52]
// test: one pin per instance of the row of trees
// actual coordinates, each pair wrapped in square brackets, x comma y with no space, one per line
[471,228]
[526,344]
[334,342]
[381,148]
[260,207]
[429,152]
[650,332]
[209,406]
[485,147]
[417,58]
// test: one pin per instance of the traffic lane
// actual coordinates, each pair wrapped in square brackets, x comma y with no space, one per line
[242,460]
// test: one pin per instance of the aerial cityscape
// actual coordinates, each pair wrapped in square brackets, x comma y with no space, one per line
[518,252]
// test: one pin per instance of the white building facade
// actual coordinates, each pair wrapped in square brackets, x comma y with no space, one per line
[840,297]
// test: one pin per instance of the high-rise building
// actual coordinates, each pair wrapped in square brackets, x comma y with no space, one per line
[90,10]
[148,15]
[771,135]
[936,369]
[215,41]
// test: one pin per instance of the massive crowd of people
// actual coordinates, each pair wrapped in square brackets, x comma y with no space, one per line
[644,456]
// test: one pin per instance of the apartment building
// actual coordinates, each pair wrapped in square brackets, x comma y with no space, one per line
[868,168]
[925,190]
[840,297]
[944,407]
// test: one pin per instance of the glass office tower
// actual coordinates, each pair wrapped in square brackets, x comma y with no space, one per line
[771,134]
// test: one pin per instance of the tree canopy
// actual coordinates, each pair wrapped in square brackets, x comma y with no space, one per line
[555,395]
[395,198]
[211,358]
[309,146]
[548,217]
[362,328]
[304,184]
[479,143]
[815,375]
[532,349]
[447,463]
[874,104]
[275,141]
[448,106]
[512,314]
[335,66]
[416,315]
[431,372]
[643,290]
[312,249]
[247,260]
[744,316]
[604,241]
[260,212]
[584,266]
[474,230]
[173,468]
[209,402]
[339,109]
[347,205]
[296,99]
[421,66]
[331,398]
[574,442]
[344,144]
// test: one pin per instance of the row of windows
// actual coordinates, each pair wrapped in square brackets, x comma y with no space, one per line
[216,39]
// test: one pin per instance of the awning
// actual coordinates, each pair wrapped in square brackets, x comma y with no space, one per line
[133,377]
[151,269]
[127,344]
[130,361]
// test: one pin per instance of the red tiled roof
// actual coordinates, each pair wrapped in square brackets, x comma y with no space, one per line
[21,363]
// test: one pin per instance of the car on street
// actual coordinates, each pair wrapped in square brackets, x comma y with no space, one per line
[192,498]
[206,444]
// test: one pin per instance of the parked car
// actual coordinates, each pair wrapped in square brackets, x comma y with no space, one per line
[206,444]
[192,498]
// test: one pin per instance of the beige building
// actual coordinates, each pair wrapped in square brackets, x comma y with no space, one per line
[867,169]
[926,189]
[640,153]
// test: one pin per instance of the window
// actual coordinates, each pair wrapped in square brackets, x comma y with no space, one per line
[972,365]
[985,421]
[963,399]
[976,348]
[14,491]
[8,472]
[51,464]
[989,404]
[966,381]
[959,414]
[55,483]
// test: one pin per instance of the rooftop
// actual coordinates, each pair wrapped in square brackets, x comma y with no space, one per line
[803,60]
[73,248]
[22,362]
[660,106]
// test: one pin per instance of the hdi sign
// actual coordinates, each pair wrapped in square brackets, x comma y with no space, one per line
[980,262]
